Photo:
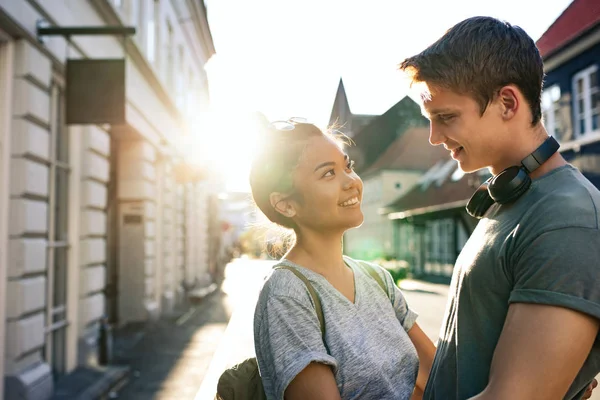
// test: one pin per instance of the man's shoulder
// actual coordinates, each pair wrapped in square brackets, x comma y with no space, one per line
[565,200]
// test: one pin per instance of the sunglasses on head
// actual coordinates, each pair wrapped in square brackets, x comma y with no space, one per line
[287,125]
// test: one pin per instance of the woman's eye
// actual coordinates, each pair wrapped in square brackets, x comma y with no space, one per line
[350,164]
[329,173]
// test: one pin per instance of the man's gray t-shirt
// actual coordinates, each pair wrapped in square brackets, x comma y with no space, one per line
[544,249]
[370,352]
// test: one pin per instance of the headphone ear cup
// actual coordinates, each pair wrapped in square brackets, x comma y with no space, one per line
[480,201]
[509,185]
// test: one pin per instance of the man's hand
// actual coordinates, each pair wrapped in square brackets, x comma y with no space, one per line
[590,389]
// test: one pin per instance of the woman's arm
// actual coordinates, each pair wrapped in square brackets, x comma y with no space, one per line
[316,381]
[426,351]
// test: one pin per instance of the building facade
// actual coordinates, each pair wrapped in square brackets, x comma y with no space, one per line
[571,98]
[94,219]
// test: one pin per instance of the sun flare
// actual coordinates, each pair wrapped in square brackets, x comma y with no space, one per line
[225,144]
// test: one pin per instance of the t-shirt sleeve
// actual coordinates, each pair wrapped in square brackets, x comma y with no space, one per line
[289,339]
[560,268]
[404,313]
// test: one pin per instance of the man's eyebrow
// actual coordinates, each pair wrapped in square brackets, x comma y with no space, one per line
[329,163]
[437,111]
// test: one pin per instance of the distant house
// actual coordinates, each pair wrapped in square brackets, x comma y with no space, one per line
[431,224]
[341,116]
[391,153]
[571,98]
[393,174]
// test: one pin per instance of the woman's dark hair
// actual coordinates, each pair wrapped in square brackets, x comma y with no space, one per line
[274,165]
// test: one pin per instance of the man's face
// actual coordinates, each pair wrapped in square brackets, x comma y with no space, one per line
[473,140]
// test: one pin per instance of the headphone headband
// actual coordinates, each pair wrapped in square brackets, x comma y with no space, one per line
[540,155]
[511,183]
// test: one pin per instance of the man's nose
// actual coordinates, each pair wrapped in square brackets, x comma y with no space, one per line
[435,136]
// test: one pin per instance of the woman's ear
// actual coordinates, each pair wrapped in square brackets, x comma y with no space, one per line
[282,204]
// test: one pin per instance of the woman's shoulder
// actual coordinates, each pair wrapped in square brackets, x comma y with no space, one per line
[362,264]
[281,282]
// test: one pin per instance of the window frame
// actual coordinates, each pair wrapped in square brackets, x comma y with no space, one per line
[56,331]
[549,108]
[586,95]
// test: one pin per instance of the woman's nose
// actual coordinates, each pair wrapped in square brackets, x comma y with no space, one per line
[352,181]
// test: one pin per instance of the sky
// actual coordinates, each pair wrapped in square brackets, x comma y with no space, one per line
[285,58]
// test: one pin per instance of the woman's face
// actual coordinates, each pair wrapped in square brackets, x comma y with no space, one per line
[328,191]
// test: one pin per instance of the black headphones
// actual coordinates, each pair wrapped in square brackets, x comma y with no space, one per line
[511,183]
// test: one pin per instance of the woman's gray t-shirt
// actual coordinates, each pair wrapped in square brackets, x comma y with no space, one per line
[371,355]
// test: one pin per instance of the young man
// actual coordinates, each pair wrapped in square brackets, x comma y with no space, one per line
[524,314]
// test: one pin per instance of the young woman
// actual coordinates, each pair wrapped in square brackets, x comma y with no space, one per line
[372,349]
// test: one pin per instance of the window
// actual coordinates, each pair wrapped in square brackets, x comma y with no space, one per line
[191,105]
[550,111]
[170,67]
[151,30]
[180,94]
[586,96]
[58,244]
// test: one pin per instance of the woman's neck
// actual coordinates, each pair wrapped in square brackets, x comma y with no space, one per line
[321,253]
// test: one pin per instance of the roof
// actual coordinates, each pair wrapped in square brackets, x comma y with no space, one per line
[411,151]
[381,132]
[341,116]
[575,20]
[443,185]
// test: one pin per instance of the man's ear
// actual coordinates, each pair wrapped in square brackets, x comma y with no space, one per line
[282,204]
[510,101]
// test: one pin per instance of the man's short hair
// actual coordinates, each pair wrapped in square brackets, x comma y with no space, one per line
[479,56]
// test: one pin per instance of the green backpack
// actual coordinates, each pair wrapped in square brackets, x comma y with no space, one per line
[243,381]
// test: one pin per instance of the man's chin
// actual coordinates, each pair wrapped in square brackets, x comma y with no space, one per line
[469,168]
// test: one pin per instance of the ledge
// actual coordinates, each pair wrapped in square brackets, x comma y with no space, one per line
[90,383]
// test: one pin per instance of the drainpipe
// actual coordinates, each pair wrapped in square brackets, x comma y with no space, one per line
[6,86]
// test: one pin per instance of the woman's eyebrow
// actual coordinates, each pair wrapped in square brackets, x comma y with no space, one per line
[329,163]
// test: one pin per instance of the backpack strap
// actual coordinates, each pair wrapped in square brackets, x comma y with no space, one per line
[313,295]
[371,271]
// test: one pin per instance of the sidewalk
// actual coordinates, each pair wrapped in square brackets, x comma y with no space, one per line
[168,360]
[172,358]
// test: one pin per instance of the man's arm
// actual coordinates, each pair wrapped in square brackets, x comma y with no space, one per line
[540,351]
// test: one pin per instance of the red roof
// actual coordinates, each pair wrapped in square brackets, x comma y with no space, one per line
[580,16]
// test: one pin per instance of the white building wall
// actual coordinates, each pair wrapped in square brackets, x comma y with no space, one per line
[137,195]
[181,251]
[95,151]
[28,220]
[152,122]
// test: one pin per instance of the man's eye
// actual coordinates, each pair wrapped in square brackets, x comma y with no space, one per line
[446,118]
